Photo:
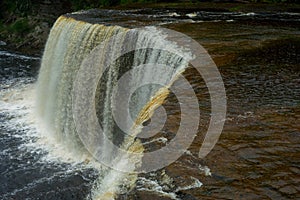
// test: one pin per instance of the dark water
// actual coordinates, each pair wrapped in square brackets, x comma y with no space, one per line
[24,174]
[258,154]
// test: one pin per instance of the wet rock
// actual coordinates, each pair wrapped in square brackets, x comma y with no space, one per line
[142,195]
[185,196]
[145,195]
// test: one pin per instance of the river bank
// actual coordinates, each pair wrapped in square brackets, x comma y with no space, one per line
[28,34]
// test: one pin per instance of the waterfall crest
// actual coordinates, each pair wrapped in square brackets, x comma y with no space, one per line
[68,43]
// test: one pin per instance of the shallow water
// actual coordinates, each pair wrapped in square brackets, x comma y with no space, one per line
[257,156]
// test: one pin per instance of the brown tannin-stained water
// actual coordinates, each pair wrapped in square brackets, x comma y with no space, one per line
[257,155]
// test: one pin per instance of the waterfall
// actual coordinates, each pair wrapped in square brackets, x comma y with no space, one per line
[70,43]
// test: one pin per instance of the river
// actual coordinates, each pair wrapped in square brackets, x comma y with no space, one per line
[257,155]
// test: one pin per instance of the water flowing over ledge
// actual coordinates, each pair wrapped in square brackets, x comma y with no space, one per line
[70,43]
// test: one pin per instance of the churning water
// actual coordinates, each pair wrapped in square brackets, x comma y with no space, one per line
[27,167]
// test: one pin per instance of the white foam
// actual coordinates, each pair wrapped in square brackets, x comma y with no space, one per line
[196,184]
[18,103]
[205,170]
[164,187]
[192,15]
[160,140]
[154,186]
[247,14]
[6,53]
[173,14]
